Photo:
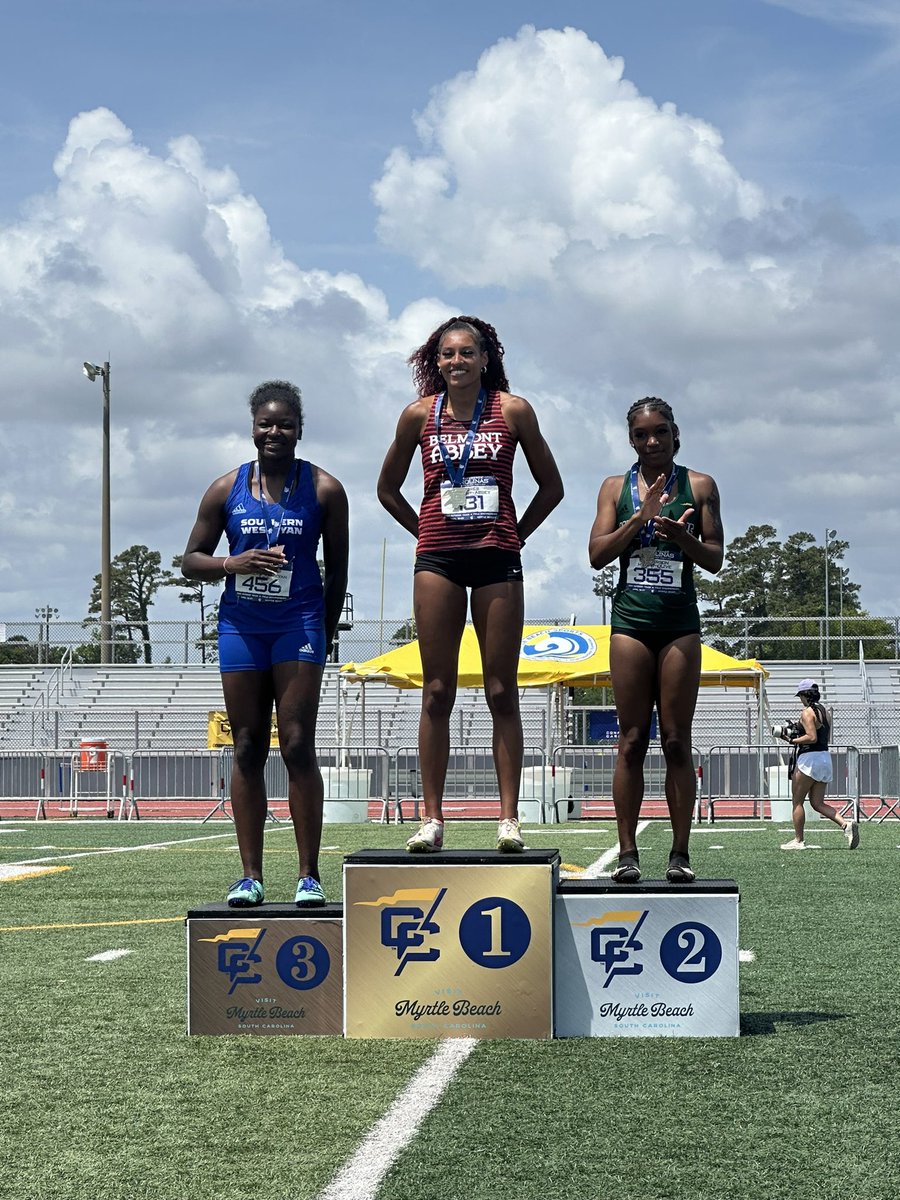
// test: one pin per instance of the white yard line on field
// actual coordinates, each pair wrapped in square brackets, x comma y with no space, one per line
[124,849]
[108,955]
[597,869]
[10,872]
[361,1176]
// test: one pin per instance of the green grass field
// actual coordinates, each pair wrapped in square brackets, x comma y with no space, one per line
[106,1097]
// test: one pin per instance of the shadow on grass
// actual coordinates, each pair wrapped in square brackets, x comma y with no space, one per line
[765,1023]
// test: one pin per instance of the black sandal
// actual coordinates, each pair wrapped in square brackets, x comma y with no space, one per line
[628,870]
[679,869]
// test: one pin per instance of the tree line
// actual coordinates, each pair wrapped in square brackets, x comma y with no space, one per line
[770,597]
[135,577]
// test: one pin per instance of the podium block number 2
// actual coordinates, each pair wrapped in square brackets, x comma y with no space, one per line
[494,932]
[690,952]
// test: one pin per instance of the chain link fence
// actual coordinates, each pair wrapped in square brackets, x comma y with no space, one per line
[180,642]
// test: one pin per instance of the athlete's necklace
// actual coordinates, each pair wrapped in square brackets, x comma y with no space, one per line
[644,478]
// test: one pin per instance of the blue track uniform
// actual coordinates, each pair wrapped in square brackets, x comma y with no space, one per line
[265,620]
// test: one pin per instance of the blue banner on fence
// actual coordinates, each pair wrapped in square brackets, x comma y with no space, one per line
[603,725]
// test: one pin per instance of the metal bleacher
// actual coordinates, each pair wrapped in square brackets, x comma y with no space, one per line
[166,707]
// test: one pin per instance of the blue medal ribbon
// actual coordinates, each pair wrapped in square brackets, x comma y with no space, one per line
[646,535]
[456,473]
[286,494]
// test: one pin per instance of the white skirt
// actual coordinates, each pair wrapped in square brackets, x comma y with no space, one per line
[817,765]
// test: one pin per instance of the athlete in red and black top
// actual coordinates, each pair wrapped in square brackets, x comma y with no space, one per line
[467,426]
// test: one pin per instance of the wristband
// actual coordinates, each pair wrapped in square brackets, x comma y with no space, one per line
[225,565]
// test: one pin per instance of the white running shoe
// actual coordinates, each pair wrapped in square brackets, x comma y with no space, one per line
[509,840]
[793,844]
[851,833]
[429,838]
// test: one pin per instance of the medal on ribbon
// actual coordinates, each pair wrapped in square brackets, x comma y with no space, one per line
[647,551]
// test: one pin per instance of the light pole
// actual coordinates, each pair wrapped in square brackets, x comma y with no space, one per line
[830,535]
[91,370]
[44,616]
[605,586]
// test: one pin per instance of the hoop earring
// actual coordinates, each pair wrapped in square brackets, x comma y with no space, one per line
[484,370]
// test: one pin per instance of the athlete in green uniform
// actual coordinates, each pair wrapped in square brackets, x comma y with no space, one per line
[658,520]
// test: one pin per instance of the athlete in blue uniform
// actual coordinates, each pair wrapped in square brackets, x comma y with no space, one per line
[276,623]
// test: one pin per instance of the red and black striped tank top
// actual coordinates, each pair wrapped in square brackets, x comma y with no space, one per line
[492,454]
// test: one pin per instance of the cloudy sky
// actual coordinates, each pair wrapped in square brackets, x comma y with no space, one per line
[695,200]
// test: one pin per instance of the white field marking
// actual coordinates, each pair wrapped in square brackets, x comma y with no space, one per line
[12,830]
[13,871]
[746,956]
[361,1176]
[126,849]
[714,847]
[719,830]
[108,955]
[598,869]
[556,830]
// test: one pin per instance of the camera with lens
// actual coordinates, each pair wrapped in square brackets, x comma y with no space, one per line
[787,730]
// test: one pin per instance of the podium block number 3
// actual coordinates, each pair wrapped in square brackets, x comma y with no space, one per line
[494,932]
[303,963]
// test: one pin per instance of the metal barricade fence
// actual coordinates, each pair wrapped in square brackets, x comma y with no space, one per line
[585,774]
[175,775]
[888,783]
[355,773]
[755,778]
[471,777]
[105,780]
[24,779]
[745,777]
[44,776]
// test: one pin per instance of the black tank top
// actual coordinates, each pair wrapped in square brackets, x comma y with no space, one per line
[822,733]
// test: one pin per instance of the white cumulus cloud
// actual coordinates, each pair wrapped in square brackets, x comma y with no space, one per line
[546,146]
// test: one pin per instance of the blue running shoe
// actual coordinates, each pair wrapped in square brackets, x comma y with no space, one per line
[309,893]
[246,893]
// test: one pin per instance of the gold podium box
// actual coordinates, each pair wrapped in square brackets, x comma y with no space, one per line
[455,944]
[274,969]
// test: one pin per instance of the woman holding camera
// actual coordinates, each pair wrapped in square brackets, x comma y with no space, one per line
[812,771]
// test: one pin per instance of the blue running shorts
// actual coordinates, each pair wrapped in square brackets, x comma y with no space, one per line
[261,651]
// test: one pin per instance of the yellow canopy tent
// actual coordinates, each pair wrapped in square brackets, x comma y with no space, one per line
[574,656]
[555,657]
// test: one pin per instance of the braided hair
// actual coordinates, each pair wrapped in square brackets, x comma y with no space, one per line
[654,404]
[278,390]
[427,377]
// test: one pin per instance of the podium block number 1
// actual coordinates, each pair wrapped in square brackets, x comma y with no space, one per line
[494,932]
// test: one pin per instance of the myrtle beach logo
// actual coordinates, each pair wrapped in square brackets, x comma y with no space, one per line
[558,645]
[405,925]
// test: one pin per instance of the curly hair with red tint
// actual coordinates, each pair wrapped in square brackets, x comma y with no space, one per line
[427,377]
